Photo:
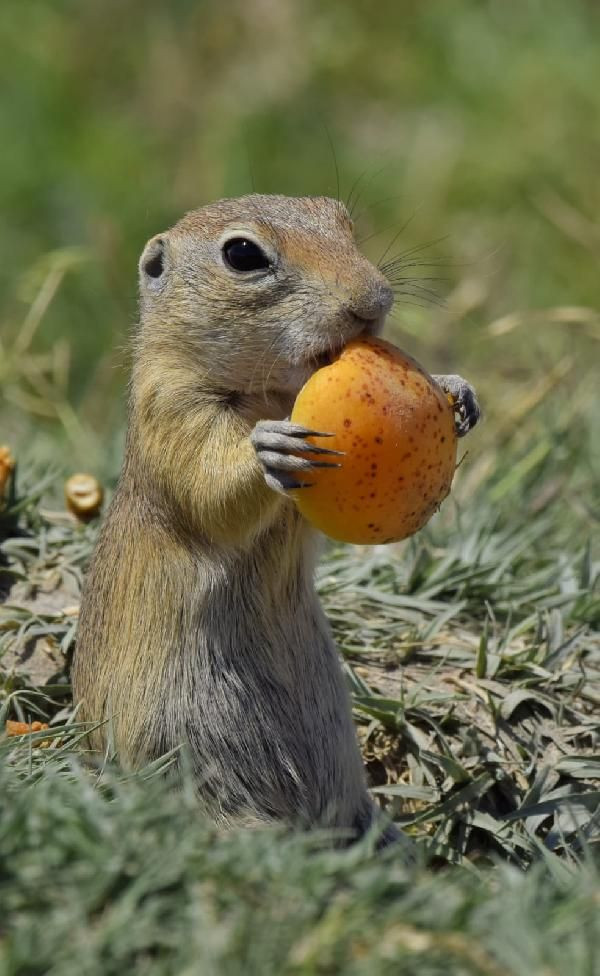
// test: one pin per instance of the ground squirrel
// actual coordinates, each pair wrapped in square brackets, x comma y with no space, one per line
[199,621]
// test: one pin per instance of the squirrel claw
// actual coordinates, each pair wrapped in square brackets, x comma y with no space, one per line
[289,462]
[279,446]
[283,482]
[293,430]
[464,400]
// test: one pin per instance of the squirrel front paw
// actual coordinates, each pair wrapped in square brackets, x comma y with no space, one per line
[465,401]
[278,444]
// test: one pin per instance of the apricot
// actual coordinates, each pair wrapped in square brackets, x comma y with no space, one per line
[395,426]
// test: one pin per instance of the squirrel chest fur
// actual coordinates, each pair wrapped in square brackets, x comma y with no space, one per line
[199,622]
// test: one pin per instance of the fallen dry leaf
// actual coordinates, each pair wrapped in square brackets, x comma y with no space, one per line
[25,728]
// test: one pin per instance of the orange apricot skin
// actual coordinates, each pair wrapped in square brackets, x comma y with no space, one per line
[396,428]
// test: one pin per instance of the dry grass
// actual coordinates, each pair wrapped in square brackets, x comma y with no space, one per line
[472,653]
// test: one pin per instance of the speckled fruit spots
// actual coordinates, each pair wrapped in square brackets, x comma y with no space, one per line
[396,429]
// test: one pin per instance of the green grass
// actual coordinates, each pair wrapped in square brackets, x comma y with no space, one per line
[105,875]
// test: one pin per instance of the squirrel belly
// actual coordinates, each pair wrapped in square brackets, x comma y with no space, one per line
[228,652]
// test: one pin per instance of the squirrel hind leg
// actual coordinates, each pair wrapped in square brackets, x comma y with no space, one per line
[383,832]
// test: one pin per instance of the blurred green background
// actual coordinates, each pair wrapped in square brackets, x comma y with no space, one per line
[476,124]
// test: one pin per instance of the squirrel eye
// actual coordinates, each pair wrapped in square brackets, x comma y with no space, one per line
[244,255]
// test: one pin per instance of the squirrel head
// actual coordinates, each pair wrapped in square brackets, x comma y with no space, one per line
[254,294]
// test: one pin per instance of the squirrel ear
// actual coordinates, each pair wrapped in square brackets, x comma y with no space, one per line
[152,261]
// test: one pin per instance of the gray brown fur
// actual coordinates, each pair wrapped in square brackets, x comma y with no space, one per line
[199,621]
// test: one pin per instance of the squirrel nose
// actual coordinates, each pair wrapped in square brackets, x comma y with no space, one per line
[373,303]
